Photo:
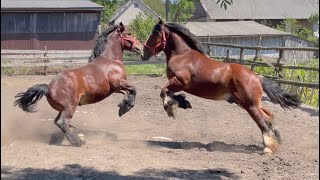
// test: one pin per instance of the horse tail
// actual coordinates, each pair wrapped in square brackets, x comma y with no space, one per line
[278,96]
[27,100]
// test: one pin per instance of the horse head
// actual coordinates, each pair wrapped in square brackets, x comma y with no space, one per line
[156,41]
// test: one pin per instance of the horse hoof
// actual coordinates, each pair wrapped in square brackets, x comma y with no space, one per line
[171,111]
[124,109]
[267,151]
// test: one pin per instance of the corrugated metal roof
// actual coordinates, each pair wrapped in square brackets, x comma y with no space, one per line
[231,28]
[262,9]
[49,4]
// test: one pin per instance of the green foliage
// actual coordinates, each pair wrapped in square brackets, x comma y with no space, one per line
[159,69]
[291,25]
[142,25]
[181,10]
[266,22]
[110,6]
[157,6]
[308,95]
[7,70]
[314,18]
[225,3]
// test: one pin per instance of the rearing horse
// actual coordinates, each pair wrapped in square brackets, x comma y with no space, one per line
[189,69]
[104,75]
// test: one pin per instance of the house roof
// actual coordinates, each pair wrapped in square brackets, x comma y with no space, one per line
[49,4]
[124,7]
[262,9]
[231,28]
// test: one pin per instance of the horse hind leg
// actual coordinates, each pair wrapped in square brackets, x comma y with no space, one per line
[270,142]
[61,122]
[270,122]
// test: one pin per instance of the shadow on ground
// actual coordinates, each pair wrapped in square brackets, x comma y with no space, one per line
[214,146]
[77,172]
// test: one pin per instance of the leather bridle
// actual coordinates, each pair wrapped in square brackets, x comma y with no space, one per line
[162,42]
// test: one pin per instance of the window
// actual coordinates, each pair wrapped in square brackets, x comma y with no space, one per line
[136,5]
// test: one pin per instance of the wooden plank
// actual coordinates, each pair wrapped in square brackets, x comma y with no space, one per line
[263,48]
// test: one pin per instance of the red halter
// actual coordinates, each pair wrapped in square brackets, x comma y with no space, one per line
[162,42]
[132,40]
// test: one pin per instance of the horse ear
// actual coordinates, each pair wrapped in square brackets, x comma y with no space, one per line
[160,21]
[121,27]
[112,22]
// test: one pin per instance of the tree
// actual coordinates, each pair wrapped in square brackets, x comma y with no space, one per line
[157,6]
[182,10]
[109,8]
[291,25]
[142,25]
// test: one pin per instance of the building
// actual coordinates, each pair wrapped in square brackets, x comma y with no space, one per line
[247,33]
[270,11]
[130,10]
[54,24]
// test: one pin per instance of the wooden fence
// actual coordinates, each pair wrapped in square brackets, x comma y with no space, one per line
[46,59]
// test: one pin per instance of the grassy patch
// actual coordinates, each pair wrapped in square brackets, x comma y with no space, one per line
[146,69]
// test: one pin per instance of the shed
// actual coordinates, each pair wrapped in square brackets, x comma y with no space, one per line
[130,10]
[273,11]
[54,24]
[247,33]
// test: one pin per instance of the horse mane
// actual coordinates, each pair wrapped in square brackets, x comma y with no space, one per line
[101,41]
[189,38]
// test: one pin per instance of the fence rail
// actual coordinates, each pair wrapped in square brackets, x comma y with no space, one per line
[13,58]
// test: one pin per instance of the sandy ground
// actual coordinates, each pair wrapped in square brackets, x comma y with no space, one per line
[213,140]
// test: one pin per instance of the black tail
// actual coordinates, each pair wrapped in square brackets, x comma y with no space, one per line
[277,95]
[27,100]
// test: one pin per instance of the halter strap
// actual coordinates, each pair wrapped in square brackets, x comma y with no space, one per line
[162,42]
[132,40]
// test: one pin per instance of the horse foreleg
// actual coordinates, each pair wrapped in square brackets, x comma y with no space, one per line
[170,101]
[129,93]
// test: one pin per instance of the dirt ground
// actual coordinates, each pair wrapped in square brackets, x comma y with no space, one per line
[213,140]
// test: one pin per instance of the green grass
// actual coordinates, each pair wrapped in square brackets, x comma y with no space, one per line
[159,69]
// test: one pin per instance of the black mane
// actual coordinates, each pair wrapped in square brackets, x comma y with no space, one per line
[189,38]
[101,41]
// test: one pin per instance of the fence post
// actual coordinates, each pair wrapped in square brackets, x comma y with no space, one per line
[278,70]
[257,52]
[45,61]
[209,46]
[241,54]
[228,56]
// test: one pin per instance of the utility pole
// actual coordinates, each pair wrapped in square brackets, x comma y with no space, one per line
[167,10]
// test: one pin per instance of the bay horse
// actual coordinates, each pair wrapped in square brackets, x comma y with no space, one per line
[191,70]
[103,75]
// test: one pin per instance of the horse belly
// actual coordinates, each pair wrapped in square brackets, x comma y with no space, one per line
[92,98]
[213,92]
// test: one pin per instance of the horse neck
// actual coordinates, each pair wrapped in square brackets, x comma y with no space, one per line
[113,50]
[175,45]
